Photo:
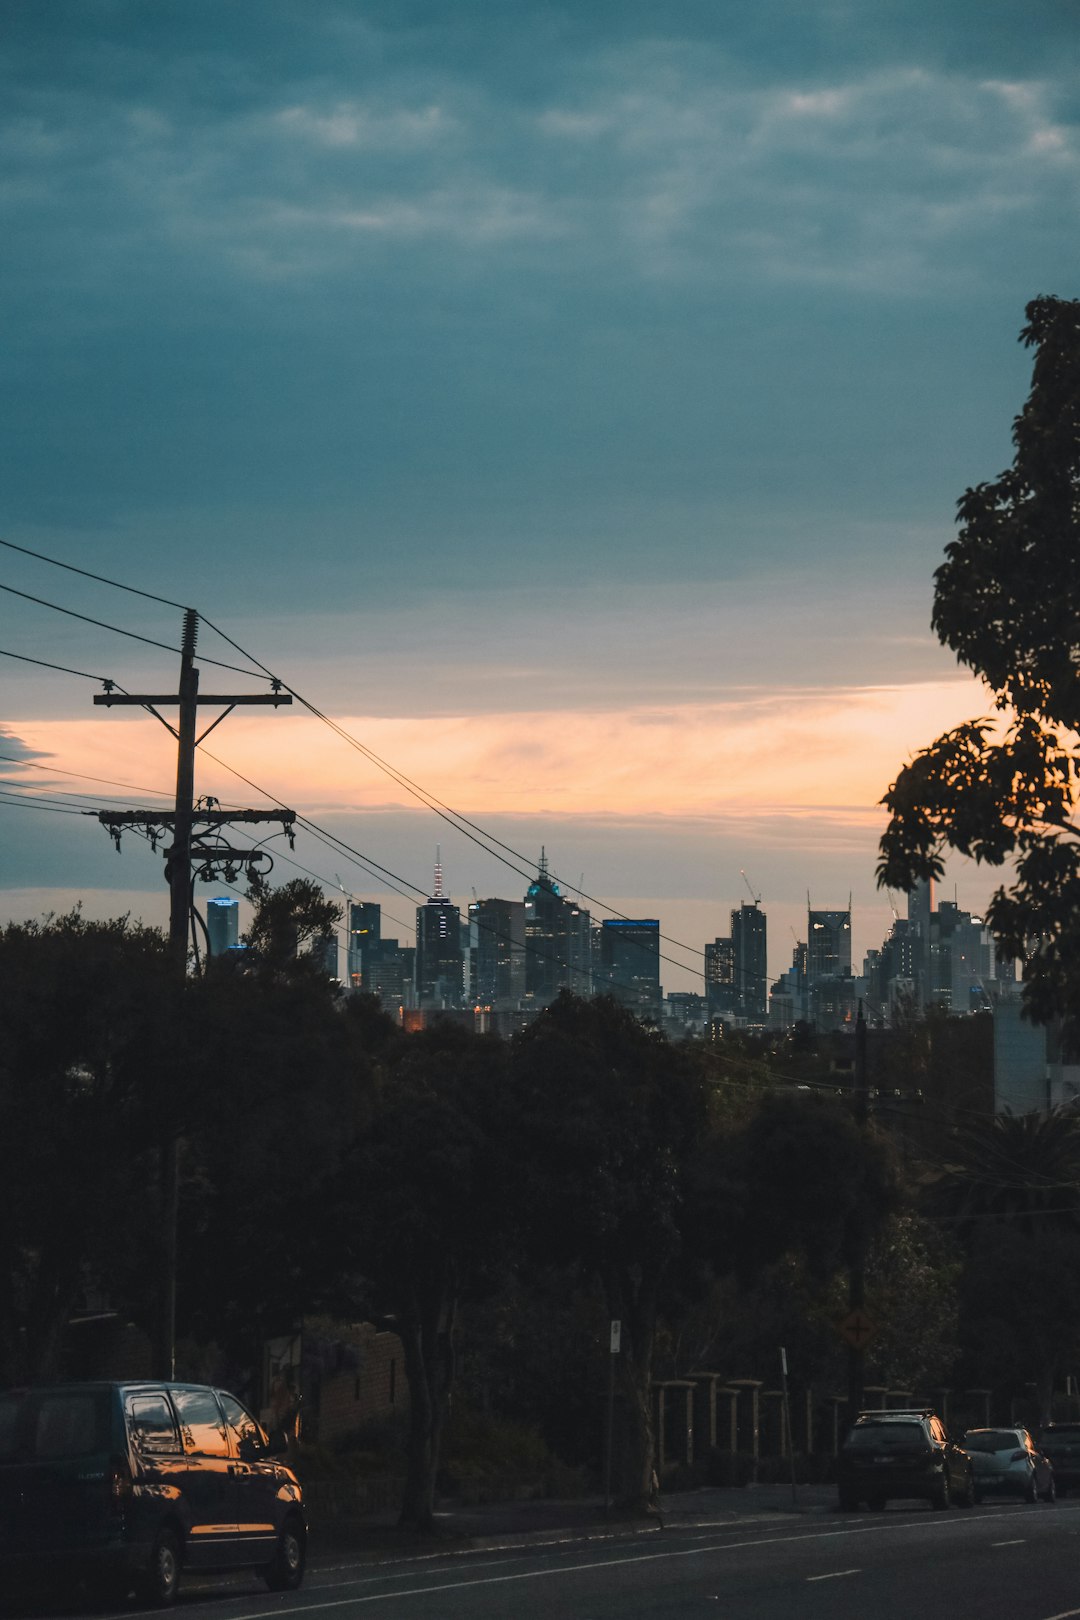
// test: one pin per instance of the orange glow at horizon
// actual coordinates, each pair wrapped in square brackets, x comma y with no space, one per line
[824,753]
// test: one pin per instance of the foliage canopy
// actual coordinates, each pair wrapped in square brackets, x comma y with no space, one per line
[1007,602]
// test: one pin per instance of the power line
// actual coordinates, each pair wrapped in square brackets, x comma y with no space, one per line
[115,629]
[461,823]
[81,776]
[102,579]
[12,799]
[63,668]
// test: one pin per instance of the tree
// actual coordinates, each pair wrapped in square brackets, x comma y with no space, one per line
[287,919]
[90,1050]
[427,1206]
[611,1113]
[1007,602]
[1011,1193]
[278,1086]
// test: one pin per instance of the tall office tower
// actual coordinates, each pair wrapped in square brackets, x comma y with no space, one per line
[751,962]
[630,963]
[222,924]
[720,978]
[579,952]
[963,967]
[920,910]
[828,945]
[324,952]
[497,946]
[389,975]
[365,937]
[550,924]
[439,961]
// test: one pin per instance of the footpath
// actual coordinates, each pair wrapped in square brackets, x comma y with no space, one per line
[537,1523]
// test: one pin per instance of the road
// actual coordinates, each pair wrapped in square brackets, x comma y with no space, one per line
[1018,1562]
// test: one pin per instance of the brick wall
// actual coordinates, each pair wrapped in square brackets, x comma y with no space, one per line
[375,1387]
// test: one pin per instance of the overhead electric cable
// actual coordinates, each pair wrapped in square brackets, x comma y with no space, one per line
[44,663]
[116,629]
[81,776]
[102,579]
[36,804]
[489,842]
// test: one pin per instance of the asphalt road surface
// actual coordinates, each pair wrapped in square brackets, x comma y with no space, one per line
[1021,1562]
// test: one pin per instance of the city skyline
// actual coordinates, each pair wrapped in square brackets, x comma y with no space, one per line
[573,404]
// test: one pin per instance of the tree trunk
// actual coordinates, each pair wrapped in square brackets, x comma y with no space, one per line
[427,1329]
[632,1300]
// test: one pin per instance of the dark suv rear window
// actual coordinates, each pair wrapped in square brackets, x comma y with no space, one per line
[10,1407]
[993,1440]
[885,1436]
[51,1427]
[69,1426]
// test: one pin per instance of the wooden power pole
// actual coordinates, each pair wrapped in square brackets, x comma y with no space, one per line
[195,845]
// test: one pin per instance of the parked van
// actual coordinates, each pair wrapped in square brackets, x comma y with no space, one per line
[126,1484]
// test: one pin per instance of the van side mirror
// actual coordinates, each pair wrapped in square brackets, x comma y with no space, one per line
[277,1443]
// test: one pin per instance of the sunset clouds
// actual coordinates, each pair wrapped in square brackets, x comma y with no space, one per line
[573,396]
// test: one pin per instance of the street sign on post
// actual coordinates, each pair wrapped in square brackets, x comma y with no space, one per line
[615,1346]
[857,1329]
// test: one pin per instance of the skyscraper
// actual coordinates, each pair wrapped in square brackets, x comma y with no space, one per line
[828,945]
[630,963]
[439,960]
[497,944]
[222,924]
[720,978]
[365,936]
[557,931]
[750,962]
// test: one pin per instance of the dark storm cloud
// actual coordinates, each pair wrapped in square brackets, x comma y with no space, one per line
[436,296]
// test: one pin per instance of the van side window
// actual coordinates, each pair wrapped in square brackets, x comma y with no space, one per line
[201,1422]
[153,1427]
[247,1437]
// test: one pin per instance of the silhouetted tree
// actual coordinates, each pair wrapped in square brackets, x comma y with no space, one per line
[289,923]
[611,1113]
[90,1050]
[1007,601]
[427,1208]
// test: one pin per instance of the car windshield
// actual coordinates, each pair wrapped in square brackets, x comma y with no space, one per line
[885,1436]
[993,1440]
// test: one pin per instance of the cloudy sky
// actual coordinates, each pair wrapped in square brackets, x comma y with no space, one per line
[570,399]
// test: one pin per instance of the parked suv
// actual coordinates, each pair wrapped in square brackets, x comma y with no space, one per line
[899,1454]
[125,1484]
[1061,1443]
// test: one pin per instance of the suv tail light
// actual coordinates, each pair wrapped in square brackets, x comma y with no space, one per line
[119,1480]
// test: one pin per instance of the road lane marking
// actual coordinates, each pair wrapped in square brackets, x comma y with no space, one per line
[834,1575]
[1018,1543]
[597,1565]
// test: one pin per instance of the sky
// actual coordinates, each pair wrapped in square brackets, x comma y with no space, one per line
[571,400]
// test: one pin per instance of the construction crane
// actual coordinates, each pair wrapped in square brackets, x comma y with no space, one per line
[756,898]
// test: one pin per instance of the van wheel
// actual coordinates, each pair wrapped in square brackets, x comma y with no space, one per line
[161,1582]
[285,1571]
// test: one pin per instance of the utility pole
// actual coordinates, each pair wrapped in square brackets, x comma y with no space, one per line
[857,1276]
[197,846]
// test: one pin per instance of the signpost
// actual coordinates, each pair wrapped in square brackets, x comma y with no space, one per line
[614,1347]
[787,1421]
